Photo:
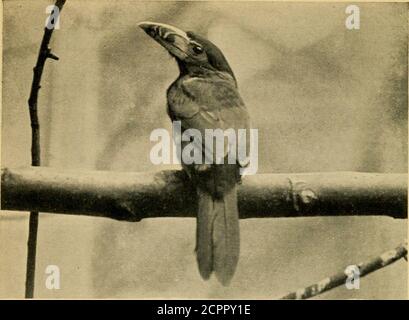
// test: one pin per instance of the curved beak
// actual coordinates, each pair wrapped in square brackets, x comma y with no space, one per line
[174,40]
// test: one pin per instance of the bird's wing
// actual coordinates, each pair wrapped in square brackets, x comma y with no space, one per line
[204,103]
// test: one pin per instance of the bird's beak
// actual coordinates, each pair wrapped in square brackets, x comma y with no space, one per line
[174,40]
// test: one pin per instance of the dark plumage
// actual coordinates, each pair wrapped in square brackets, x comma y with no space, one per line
[205,96]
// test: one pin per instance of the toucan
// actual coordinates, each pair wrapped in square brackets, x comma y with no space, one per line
[205,96]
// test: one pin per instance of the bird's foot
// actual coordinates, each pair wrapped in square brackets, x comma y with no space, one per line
[202,167]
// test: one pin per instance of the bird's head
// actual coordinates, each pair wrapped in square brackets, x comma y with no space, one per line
[192,52]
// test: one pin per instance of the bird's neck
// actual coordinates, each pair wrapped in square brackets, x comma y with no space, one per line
[193,70]
[201,71]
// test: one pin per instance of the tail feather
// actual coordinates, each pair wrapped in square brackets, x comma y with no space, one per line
[204,242]
[218,238]
[226,237]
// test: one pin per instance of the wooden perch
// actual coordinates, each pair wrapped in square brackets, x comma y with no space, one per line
[134,196]
[340,278]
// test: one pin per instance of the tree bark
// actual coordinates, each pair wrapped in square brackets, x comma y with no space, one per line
[43,54]
[135,196]
[340,278]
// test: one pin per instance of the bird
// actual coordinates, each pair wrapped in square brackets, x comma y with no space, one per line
[205,96]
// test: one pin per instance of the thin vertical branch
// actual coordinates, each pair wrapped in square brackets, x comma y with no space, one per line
[43,55]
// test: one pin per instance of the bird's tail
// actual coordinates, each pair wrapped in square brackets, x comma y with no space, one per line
[218,238]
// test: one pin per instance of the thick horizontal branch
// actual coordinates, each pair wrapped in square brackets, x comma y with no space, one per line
[134,196]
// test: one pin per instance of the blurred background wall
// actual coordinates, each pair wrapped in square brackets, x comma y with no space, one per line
[324,98]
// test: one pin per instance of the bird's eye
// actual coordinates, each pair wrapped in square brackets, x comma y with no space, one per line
[197,49]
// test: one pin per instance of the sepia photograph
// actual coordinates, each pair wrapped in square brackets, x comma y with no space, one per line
[210,150]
